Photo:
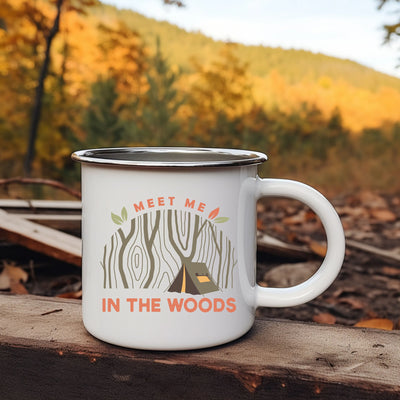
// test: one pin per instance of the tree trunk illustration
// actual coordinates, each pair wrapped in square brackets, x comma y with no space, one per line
[104,266]
[110,261]
[149,240]
[191,242]
[159,244]
[218,247]
[125,240]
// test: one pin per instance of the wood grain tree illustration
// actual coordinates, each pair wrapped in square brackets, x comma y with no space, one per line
[148,251]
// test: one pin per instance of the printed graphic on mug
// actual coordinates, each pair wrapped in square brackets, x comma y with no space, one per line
[178,247]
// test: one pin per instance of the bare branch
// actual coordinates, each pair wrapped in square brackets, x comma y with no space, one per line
[40,181]
[174,3]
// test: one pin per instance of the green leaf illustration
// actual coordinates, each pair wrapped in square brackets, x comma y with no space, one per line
[220,220]
[116,219]
[124,214]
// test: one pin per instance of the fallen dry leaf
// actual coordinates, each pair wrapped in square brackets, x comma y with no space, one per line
[260,225]
[356,212]
[292,237]
[310,215]
[393,284]
[296,219]
[287,275]
[260,207]
[11,275]
[396,201]
[345,290]
[71,295]
[391,271]
[372,200]
[376,323]
[5,281]
[391,234]
[318,248]
[16,274]
[324,318]
[383,215]
[358,234]
[18,288]
[354,303]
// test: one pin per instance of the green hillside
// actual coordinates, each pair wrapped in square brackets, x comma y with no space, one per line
[181,47]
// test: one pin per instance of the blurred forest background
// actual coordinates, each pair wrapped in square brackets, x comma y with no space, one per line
[79,74]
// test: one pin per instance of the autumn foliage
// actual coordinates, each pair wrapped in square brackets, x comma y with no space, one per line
[111,84]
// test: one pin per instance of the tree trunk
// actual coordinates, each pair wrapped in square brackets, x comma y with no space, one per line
[38,100]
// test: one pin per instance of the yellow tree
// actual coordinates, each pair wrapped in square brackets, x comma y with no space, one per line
[123,58]
[31,28]
[20,45]
[220,95]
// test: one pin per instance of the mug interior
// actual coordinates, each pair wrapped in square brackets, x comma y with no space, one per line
[169,156]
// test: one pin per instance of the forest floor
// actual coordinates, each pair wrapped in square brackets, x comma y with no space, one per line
[367,288]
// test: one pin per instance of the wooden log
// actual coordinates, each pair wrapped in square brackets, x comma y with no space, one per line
[40,238]
[46,353]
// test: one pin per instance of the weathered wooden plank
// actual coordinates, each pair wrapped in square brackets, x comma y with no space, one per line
[40,204]
[51,217]
[69,223]
[40,238]
[392,255]
[46,353]
[270,245]
[57,214]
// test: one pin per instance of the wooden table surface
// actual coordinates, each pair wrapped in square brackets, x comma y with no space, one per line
[45,353]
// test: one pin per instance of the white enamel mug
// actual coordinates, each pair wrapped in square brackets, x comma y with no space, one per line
[169,245]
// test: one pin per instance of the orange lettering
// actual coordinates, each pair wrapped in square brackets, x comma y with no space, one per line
[150,203]
[132,302]
[144,303]
[219,305]
[171,201]
[189,203]
[231,306]
[186,305]
[155,305]
[161,201]
[104,305]
[208,307]
[112,304]
[139,207]
[175,304]
[201,207]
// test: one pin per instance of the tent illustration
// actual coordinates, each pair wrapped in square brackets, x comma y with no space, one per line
[193,278]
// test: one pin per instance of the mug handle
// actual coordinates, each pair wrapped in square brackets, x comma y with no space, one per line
[330,267]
